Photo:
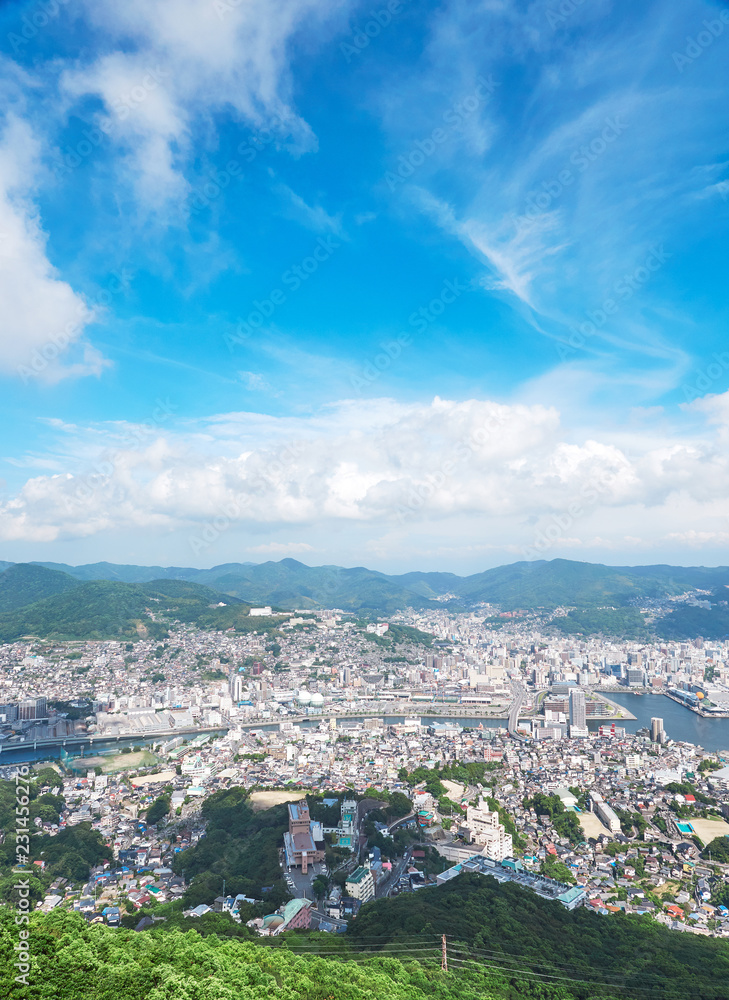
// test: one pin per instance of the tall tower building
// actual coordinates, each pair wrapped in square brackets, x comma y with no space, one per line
[578,710]
[657,733]
[235,686]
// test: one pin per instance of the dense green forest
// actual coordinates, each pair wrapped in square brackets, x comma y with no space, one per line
[618,623]
[240,846]
[24,584]
[49,604]
[509,926]
[688,621]
[504,943]
[68,960]
[98,610]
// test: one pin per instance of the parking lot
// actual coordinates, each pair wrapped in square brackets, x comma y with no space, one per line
[298,884]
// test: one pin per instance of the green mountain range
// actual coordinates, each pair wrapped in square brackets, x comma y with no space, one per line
[108,600]
[538,584]
[108,609]
[23,584]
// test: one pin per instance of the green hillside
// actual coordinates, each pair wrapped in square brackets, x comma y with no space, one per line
[106,609]
[98,610]
[689,621]
[70,960]
[618,623]
[504,943]
[514,928]
[25,583]
[291,584]
[542,584]
[121,573]
[564,582]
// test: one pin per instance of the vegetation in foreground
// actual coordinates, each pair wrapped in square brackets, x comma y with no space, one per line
[70,960]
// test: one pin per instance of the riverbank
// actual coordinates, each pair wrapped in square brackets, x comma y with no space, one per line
[624,715]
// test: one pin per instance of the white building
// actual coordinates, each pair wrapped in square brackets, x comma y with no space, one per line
[484,828]
[604,812]
[578,710]
[360,885]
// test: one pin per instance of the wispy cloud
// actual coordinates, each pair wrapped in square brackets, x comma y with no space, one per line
[313,217]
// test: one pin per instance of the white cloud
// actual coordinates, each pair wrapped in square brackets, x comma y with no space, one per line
[313,217]
[172,65]
[567,198]
[254,381]
[473,472]
[281,549]
[42,318]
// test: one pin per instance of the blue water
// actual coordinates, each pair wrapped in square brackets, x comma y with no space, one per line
[680,723]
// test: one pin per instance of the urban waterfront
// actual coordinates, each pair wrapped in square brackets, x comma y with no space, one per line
[679,723]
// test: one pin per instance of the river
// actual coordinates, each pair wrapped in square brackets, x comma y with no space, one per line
[679,723]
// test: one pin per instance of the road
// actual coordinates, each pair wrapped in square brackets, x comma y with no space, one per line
[383,888]
[514,710]
[399,822]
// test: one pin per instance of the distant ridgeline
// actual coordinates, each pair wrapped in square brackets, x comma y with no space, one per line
[104,600]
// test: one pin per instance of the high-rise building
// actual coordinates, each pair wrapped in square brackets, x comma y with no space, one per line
[484,827]
[348,825]
[32,708]
[235,686]
[304,842]
[657,733]
[578,709]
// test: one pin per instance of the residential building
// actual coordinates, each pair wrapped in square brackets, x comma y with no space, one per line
[360,885]
[484,828]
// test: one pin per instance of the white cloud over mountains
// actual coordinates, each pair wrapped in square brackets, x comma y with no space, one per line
[505,475]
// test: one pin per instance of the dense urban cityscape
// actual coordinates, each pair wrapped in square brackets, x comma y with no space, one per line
[502,751]
[364,544]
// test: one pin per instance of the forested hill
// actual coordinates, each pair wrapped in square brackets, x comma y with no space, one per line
[507,926]
[538,584]
[45,607]
[71,961]
[605,598]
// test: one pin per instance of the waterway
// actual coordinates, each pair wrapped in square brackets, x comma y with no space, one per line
[680,723]
[21,753]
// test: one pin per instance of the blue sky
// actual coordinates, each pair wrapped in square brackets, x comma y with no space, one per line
[434,286]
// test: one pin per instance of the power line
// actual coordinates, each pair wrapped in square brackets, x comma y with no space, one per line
[483,959]
[465,963]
